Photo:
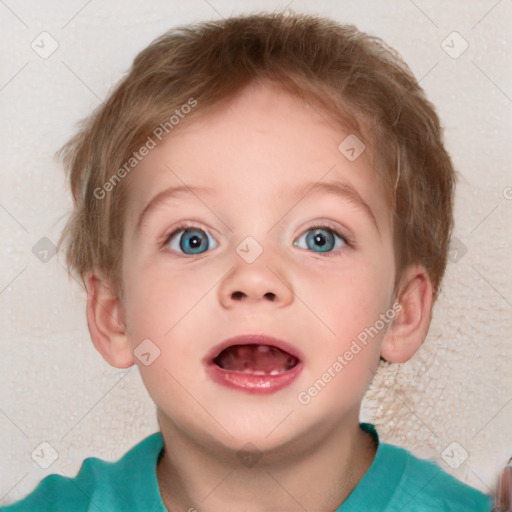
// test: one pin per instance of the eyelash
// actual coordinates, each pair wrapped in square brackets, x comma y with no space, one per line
[181,227]
[348,240]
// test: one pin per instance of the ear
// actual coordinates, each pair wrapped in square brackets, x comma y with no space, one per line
[106,322]
[407,331]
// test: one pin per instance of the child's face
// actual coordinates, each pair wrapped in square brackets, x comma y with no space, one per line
[261,159]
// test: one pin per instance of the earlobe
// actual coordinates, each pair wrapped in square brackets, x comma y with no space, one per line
[106,323]
[409,328]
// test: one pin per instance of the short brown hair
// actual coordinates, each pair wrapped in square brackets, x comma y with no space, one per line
[349,74]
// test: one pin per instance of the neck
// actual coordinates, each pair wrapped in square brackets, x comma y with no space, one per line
[319,477]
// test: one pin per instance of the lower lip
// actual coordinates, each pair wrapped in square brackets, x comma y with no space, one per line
[251,383]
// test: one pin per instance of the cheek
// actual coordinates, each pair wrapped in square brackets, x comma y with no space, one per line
[158,298]
[350,305]
[355,296]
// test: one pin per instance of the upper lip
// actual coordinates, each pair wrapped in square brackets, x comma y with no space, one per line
[252,339]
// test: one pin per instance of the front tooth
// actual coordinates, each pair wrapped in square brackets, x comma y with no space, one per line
[259,372]
[263,348]
[274,372]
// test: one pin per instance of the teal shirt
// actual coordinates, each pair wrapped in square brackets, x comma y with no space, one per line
[396,481]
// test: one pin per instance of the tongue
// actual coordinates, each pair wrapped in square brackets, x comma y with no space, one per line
[255,359]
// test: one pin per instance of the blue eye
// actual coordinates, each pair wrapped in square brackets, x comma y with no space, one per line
[192,241]
[320,239]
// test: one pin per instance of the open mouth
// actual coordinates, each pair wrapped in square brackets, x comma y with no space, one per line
[254,363]
[255,359]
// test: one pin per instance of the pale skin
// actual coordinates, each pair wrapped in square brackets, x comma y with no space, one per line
[253,154]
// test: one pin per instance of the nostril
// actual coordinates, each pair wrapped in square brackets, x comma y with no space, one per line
[240,295]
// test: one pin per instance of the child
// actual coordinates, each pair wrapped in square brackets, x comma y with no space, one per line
[256,197]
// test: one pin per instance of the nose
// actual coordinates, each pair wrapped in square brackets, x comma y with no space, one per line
[261,281]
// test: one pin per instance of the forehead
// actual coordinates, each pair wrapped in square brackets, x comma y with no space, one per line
[265,145]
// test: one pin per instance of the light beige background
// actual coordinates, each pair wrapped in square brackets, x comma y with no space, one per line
[57,389]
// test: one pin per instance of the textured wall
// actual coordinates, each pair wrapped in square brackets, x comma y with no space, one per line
[57,389]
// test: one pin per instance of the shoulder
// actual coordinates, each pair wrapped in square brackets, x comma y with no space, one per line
[424,486]
[99,485]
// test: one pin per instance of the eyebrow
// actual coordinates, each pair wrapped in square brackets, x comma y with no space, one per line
[339,189]
[167,195]
[336,188]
